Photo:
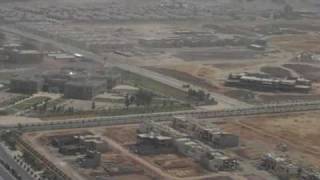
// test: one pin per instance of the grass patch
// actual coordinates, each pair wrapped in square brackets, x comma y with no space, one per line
[13,100]
[118,112]
[152,85]
[28,104]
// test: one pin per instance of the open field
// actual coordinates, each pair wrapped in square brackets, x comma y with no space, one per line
[262,134]
[308,71]
[306,42]
[276,71]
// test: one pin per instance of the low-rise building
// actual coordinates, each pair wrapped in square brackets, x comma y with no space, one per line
[91,160]
[94,143]
[280,166]
[267,83]
[26,85]
[153,144]
[25,56]
[218,161]
[84,89]
[210,135]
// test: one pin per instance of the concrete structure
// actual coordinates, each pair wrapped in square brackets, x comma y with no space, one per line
[210,158]
[92,143]
[84,89]
[208,134]
[26,85]
[191,148]
[223,140]
[265,83]
[62,56]
[91,160]
[153,144]
[159,128]
[72,149]
[59,141]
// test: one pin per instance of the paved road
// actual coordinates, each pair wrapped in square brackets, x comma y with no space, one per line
[164,116]
[226,101]
[4,174]
[7,158]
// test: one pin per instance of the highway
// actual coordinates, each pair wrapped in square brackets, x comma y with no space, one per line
[139,118]
[4,174]
[8,159]
[226,101]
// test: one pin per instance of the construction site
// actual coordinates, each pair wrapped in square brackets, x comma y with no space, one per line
[159,89]
[179,148]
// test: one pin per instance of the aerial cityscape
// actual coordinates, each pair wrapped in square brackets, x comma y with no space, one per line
[159,90]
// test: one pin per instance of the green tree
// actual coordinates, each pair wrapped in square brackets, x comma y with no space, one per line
[127,101]
[143,98]
[93,105]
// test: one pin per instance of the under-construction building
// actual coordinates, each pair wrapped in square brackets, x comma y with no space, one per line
[285,169]
[267,83]
[74,144]
[280,166]
[209,134]
[24,56]
[153,144]
[159,134]
[210,158]
[218,161]
[92,143]
[159,128]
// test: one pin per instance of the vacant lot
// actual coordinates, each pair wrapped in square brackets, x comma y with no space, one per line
[276,71]
[217,54]
[261,134]
[297,43]
[305,70]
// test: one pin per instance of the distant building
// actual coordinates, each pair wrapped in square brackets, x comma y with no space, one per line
[25,56]
[257,47]
[55,81]
[62,56]
[84,89]
[265,83]
[217,161]
[26,85]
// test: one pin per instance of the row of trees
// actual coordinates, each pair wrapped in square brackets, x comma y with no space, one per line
[198,95]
